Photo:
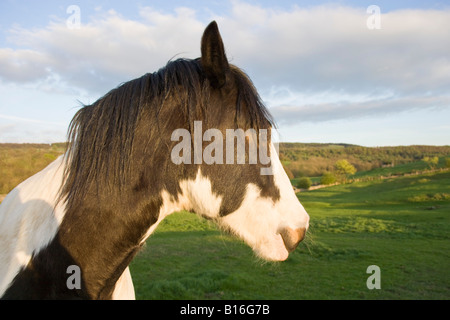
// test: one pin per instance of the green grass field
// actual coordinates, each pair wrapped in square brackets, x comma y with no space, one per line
[401,225]
[415,167]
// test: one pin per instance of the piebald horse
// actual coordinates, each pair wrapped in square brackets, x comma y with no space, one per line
[94,207]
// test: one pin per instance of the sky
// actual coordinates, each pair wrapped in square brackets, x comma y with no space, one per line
[371,73]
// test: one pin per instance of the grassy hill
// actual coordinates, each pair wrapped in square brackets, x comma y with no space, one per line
[313,159]
[401,225]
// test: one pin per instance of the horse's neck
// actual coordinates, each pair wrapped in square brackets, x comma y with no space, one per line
[103,233]
[103,240]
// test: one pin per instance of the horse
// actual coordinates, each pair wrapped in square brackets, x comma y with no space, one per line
[93,208]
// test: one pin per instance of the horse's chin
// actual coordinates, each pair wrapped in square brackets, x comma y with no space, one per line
[275,250]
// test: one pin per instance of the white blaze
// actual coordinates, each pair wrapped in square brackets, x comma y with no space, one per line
[259,219]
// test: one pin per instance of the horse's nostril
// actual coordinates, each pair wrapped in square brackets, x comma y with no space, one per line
[292,237]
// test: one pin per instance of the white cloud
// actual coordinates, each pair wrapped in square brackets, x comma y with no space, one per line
[288,115]
[14,131]
[330,47]
[22,65]
[29,120]
[310,64]
[322,63]
[103,53]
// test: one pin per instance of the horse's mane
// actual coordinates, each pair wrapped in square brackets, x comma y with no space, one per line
[101,135]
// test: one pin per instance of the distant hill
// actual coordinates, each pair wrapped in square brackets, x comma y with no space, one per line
[20,161]
[313,159]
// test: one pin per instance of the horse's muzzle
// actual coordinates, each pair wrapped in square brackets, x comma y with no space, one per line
[292,237]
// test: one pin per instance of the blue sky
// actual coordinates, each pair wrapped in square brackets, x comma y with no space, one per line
[323,73]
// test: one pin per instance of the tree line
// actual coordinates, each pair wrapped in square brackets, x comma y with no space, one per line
[335,162]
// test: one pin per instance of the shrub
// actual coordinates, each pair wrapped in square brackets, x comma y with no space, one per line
[344,167]
[431,161]
[447,163]
[327,178]
[304,183]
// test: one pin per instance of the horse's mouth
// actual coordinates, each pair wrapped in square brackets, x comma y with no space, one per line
[284,242]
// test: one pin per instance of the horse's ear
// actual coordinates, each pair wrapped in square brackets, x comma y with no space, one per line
[214,60]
